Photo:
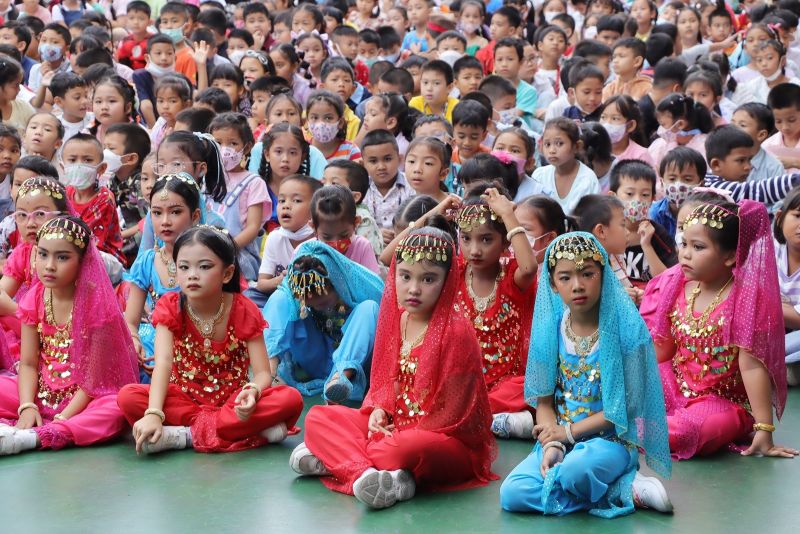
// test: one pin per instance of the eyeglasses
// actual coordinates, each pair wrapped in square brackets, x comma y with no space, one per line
[39,216]
[173,167]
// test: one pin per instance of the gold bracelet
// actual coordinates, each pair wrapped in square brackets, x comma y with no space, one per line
[253,385]
[59,417]
[155,411]
[514,231]
[766,427]
[25,406]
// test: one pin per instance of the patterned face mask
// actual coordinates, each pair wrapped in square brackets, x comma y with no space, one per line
[323,132]
[636,210]
[340,245]
[677,192]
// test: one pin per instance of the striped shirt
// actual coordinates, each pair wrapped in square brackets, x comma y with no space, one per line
[767,191]
[789,283]
[345,150]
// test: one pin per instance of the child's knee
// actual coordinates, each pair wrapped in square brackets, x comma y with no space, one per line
[518,491]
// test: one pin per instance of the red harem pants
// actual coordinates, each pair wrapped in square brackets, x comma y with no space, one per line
[217,429]
[508,397]
[100,420]
[337,435]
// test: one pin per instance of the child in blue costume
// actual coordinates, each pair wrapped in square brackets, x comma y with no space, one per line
[322,322]
[589,438]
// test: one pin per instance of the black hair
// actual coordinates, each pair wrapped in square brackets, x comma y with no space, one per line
[273,85]
[10,70]
[496,87]
[634,169]
[658,47]
[550,214]
[206,150]
[683,157]
[227,71]
[283,95]
[583,71]
[124,89]
[790,203]
[480,98]
[429,119]
[473,197]
[452,34]
[216,98]
[336,63]
[333,100]
[345,31]
[565,19]
[159,38]
[237,122]
[379,137]
[761,113]
[512,42]
[682,107]
[785,95]
[197,119]
[665,28]
[483,167]
[192,11]
[442,150]
[389,37]
[137,141]
[789,16]
[589,48]
[100,35]
[669,71]
[378,69]
[221,244]
[80,24]
[412,209]
[596,144]
[629,109]
[335,13]
[726,237]
[370,37]
[592,210]
[22,32]
[244,35]
[522,135]
[252,8]
[11,51]
[612,23]
[140,7]
[723,68]
[94,56]
[511,14]
[400,78]
[357,176]
[47,182]
[544,31]
[723,140]
[38,165]
[178,83]
[699,17]
[85,138]
[264,169]
[189,193]
[465,63]
[471,113]
[319,19]
[203,34]
[35,24]
[565,125]
[333,201]
[442,67]
[214,19]
[312,183]
[413,61]
[61,30]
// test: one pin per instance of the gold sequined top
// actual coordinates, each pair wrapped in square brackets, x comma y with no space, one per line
[56,371]
[407,408]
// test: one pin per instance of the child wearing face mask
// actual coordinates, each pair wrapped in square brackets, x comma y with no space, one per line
[82,160]
[683,122]
[160,61]
[621,118]
[681,170]
[247,204]
[770,62]
[650,249]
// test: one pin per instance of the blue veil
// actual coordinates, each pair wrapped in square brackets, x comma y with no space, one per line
[633,399]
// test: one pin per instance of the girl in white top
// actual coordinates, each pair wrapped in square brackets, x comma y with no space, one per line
[565,179]
[770,62]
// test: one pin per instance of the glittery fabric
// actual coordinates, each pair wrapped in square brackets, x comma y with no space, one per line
[447,380]
[756,322]
[503,330]
[632,397]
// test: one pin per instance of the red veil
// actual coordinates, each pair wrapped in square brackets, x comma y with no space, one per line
[449,382]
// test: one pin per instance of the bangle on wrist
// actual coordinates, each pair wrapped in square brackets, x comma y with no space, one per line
[24,406]
[156,411]
[59,417]
[514,231]
[568,430]
[766,427]
[254,386]
[556,444]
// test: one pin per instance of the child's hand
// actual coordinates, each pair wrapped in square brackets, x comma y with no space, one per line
[763,446]
[646,231]
[416,48]
[148,428]
[201,52]
[789,163]
[379,422]
[499,204]
[448,207]
[28,419]
[47,78]
[635,294]
[550,458]
[387,234]
[547,433]
[258,40]
[245,403]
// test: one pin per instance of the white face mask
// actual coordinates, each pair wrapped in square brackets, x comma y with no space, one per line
[775,75]
[450,57]
[236,56]
[550,15]
[533,240]
[80,175]
[113,161]
[615,131]
[679,238]
[157,71]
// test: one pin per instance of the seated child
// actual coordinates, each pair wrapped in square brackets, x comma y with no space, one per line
[325,112]
[71,96]
[356,178]
[627,63]
[650,249]
[160,59]
[43,136]
[503,96]
[214,99]
[237,413]
[508,57]
[784,101]
[436,126]
[427,165]
[758,121]
[338,77]
[294,216]
[603,216]
[334,220]
[586,91]
[132,50]
[388,187]
[470,127]
[82,157]
[681,170]
[436,82]
[173,94]
[467,75]
[10,151]
[682,122]
[517,146]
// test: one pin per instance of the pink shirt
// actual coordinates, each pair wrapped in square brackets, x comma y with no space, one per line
[636,151]
[659,148]
[776,147]
[254,193]
[361,252]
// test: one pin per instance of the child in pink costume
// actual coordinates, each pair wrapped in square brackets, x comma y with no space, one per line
[719,334]
[76,350]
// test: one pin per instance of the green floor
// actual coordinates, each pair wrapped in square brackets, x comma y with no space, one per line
[109,489]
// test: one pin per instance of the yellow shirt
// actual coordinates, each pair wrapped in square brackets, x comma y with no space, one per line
[418,104]
[353,123]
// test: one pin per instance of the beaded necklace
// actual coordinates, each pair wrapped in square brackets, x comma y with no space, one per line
[481,304]
[169,263]
[206,326]
[55,346]
[408,369]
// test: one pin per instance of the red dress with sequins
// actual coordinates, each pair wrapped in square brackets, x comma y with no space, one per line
[205,381]
[503,332]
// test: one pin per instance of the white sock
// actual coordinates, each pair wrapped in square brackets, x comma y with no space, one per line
[28,439]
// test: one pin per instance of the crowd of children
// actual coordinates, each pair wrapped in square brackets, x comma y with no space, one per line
[575,223]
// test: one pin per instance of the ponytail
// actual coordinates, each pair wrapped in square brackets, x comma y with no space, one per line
[202,147]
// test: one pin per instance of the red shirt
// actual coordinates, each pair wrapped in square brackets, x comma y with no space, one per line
[100,214]
[131,52]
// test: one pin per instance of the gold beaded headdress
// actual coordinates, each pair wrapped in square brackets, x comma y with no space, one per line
[41,185]
[64,228]
[419,247]
[471,216]
[303,284]
[575,248]
[710,215]
[184,177]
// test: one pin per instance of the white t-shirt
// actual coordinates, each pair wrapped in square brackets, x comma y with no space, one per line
[585,184]
[278,254]
[72,128]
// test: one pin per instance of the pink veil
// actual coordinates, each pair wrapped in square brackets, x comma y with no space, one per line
[757,324]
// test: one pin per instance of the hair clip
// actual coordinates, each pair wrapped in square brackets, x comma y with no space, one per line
[710,215]
[575,248]
[418,247]
[472,216]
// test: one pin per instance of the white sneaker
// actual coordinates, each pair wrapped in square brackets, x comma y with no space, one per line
[382,489]
[338,390]
[13,441]
[513,425]
[649,492]
[303,462]
[172,437]
[276,434]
